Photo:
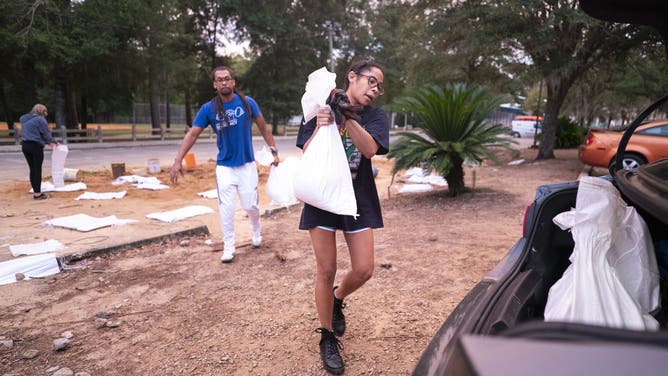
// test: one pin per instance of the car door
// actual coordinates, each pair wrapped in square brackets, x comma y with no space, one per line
[655,140]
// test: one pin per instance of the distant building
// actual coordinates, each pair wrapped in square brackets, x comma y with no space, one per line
[505,114]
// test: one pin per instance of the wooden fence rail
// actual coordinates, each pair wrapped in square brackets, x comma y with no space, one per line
[100,134]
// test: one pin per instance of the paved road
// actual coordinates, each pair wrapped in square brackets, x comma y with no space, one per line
[99,156]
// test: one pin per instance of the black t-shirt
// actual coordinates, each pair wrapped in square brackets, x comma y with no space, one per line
[374,121]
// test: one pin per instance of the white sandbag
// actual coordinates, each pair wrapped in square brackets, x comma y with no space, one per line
[211,193]
[84,222]
[151,186]
[613,279]
[279,184]
[416,188]
[48,246]
[49,187]
[323,178]
[415,172]
[101,195]
[264,156]
[58,157]
[30,266]
[179,214]
[318,87]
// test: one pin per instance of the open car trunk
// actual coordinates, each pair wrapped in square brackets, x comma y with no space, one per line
[548,248]
[510,301]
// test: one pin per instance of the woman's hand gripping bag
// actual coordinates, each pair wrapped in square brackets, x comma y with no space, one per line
[323,179]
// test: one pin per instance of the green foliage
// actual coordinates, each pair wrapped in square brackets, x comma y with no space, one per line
[569,134]
[453,119]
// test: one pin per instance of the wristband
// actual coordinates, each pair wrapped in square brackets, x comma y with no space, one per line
[273,149]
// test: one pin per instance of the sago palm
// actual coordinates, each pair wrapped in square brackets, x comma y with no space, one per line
[455,126]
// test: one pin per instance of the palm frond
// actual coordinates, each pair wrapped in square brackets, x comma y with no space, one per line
[454,121]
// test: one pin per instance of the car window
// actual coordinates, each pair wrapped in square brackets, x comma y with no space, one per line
[656,131]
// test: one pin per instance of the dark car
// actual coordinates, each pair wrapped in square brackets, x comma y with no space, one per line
[499,327]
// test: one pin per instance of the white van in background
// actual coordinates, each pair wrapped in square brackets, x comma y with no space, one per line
[526,126]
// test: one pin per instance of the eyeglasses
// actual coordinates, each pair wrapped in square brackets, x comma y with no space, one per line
[373,82]
[223,79]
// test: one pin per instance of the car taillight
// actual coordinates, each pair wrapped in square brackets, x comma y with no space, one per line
[524,221]
[590,139]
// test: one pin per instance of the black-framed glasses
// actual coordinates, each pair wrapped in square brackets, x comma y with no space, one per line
[373,82]
[223,79]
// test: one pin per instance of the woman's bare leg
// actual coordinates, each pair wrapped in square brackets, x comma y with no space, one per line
[360,246]
[324,247]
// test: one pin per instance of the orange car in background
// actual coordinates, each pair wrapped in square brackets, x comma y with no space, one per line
[648,144]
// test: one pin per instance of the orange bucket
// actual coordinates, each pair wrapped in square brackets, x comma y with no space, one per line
[190,160]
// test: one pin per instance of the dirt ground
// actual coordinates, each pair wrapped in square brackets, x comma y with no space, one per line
[171,308]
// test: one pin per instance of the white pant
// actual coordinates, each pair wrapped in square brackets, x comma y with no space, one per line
[230,180]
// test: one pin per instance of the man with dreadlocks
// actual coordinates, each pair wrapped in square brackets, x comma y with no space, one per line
[231,115]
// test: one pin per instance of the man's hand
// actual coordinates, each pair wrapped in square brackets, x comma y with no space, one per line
[174,174]
[340,103]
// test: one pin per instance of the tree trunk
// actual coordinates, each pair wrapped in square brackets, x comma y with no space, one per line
[455,177]
[31,91]
[72,117]
[84,111]
[154,97]
[9,114]
[168,115]
[274,125]
[189,114]
[60,100]
[557,88]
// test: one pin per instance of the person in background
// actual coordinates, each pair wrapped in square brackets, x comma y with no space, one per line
[365,132]
[34,135]
[231,115]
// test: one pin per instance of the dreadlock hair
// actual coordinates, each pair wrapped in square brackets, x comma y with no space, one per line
[358,67]
[218,99]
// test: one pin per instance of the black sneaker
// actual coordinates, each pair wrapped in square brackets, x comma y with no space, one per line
[338,319]
[329,352]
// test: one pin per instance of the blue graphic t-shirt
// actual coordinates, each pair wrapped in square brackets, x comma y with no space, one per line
[234,138]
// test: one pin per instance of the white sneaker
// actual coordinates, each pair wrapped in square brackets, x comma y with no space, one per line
[256,241]
[227,256]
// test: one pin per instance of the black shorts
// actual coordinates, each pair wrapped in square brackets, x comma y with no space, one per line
[314,217]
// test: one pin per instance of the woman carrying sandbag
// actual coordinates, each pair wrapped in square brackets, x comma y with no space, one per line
[364,133]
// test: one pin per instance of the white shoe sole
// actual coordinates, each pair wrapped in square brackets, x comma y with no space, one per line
[226,259]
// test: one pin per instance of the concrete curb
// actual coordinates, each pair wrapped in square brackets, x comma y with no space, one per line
[121,247]
[270,212]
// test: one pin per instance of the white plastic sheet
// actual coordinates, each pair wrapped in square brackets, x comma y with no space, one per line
[141,182]
[49,187]
[417,175]
[84,222]
[211,193]
[101,195]
[48,246]
[30,266]
[58,157]
[613,279]
[179,214]
[279,184]
[416,188]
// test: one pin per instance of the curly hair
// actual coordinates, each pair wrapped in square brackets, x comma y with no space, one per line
[358,67]
[39,109]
